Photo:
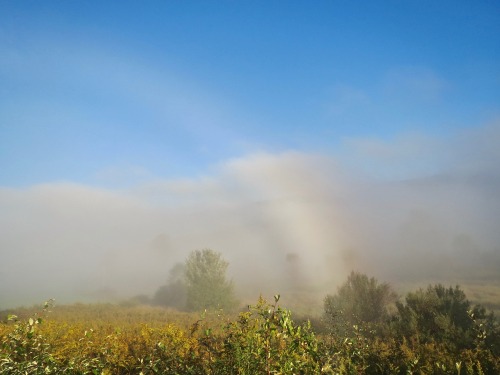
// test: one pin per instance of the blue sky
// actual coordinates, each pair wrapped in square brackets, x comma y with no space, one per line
[354,134]
[171,88]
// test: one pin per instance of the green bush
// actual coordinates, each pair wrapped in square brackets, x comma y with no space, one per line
[24,350]
[206,283]
[360,301]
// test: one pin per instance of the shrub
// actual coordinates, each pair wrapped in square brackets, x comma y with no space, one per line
[359,301]
[206,283]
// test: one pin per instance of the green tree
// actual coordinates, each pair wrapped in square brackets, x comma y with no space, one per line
[359,301]
[206,283]
[445,315]
[173,293]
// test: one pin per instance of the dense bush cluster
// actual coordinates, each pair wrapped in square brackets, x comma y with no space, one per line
[434,331]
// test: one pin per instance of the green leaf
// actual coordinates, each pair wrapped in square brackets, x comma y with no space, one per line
[11,317]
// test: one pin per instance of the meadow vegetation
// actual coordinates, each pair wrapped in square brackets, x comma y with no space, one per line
[364,329]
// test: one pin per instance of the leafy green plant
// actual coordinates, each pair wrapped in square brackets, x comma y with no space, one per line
[24,351]
[358,301]
[263,340]
[206,283]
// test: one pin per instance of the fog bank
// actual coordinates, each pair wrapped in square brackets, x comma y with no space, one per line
[411,208]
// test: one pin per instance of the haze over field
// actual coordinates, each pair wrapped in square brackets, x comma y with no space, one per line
[300,140]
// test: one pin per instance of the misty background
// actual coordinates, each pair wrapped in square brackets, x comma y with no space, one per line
[283,221]
[300,141]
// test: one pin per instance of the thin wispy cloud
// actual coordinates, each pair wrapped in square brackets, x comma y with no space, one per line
[414,85]
[106,97]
